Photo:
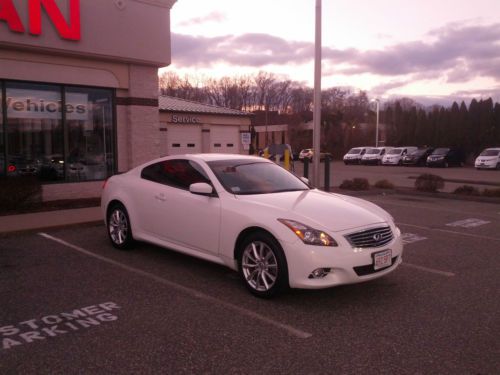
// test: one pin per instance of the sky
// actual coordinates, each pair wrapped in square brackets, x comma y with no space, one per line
[429,50]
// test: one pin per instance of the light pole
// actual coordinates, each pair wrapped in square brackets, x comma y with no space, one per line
[317,97]
[376,126]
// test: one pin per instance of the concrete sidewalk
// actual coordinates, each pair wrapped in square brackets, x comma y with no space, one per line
[49,219]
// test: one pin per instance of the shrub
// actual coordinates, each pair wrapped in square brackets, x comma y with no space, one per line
[429,182]
[466,190]
[19,192]
[492,192]
[355,184]
[384,184]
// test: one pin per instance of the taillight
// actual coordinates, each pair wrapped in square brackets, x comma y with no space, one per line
[11,168]
[104,184]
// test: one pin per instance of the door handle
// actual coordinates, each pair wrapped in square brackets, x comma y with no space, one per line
[160,197]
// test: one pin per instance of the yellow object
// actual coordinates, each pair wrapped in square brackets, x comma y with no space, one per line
[287,160]
[266,153]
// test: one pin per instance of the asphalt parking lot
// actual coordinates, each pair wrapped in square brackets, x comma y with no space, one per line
[73,304]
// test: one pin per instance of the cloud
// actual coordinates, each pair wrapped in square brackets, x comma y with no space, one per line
[211,17]
[254,50]
[380,90]
[459,52]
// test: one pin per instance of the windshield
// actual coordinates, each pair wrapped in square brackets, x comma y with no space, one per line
[255,177]
[440,151]
[373,151]
[354,151]
[490,153]
[395,151]
[417,152]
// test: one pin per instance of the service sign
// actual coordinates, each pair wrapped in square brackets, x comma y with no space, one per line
[43,105]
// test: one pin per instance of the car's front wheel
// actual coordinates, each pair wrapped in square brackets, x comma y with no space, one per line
[262,265]
[119,228]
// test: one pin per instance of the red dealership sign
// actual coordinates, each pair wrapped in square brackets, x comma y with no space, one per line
[66,30]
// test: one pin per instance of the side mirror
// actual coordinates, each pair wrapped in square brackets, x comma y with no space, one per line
[201,188]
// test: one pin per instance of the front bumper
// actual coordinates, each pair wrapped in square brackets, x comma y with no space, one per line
[370,161]
[390,162]
[347,265]
[436,163]
[487,165]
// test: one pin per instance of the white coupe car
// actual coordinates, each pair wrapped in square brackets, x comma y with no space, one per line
[253,216]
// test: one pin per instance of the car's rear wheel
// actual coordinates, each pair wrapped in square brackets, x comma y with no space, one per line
[262,265]
[119,228]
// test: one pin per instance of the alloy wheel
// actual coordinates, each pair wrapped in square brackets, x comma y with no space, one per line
[118,227]
[259,266]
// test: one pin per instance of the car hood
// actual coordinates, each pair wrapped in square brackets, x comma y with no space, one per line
[487,158]
[334,212]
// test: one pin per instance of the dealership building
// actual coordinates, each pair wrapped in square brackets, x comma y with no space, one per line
[79,94]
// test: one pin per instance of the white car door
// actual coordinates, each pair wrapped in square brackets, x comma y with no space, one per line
[172,214]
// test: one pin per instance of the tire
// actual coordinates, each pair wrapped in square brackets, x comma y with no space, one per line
[119,228]
[262,265]
[498,166]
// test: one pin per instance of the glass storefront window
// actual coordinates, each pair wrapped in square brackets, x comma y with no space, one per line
[89,122]
[2,146]
[34,130]
[57,133]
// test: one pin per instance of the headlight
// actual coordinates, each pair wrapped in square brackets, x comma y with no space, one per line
[309,235]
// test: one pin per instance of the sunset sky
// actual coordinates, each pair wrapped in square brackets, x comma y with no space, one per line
[425,49]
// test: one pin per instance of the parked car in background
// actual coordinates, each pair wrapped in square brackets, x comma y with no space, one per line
[418,157]
[354,155]
[373,156]
[308,153]
[19,165]
[52,167]
[395,155]
[488,159]
[254,217]
[446,157]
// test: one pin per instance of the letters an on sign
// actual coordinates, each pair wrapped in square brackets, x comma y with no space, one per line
[67,30]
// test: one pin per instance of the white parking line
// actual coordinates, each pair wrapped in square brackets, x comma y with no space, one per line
[427,269]
[468,223]
[409,238]
[450,232]
[191,292]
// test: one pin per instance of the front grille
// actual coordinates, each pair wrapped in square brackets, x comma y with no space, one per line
[368,269]
[371,238]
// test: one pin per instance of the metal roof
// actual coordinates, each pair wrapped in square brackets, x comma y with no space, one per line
[171,104]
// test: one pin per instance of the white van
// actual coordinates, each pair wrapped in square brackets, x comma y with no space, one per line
[373,156]
[488,159]
[354,155]
[395,155]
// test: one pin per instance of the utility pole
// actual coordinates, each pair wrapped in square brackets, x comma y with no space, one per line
[317,98]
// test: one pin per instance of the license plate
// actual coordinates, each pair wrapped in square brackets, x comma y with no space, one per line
[382,259]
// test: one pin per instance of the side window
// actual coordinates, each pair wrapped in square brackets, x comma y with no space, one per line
[177,173]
